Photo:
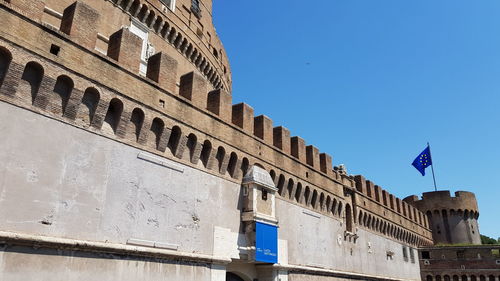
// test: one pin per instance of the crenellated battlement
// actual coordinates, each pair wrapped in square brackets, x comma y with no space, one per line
[453,218]
[177,115]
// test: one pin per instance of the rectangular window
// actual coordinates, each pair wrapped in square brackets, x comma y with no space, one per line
[169,4]
[412,255]
[141,31]
[264,194]
[405,253]
[461,254]
[195,8]
[426,255]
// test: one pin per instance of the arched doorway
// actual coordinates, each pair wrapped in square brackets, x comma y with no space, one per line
[233,277]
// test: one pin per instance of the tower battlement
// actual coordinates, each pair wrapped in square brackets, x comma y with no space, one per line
[453,218]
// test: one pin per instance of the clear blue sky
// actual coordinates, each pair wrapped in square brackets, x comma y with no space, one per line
[370,82]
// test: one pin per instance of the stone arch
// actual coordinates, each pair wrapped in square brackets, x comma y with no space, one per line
[272,173]
[172,35]
[157,128]
[175,140]
[230,276]
[113,115]
[63,88]
[447,278]
[221,154]
[244,166]
[328,203]
[334,206]
[281,185]
[307,195]
[191,144]
[5,60]
[150,19]
[473,278]
[206,151]
[314,199]
[428,278]
[135,124]
[158,24]
[482,278]
[88,105]
[143,12]
[231,166]
[290,187]
[298,192]
[33,74]
[490,278]
[348,218]
[322,201]
[438,277]
[134,7]
[464,277]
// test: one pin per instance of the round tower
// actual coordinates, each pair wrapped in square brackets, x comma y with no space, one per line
[453,219]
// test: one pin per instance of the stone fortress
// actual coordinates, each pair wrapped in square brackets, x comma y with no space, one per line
[125,159]
[457,254]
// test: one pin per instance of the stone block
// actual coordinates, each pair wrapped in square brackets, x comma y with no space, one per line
[243,117]
[194,88]
[312,156]
[263,128]
[298,148]
[220,102]
[281,139]
[126,47]
[163,69]
[80,22]
[325,163]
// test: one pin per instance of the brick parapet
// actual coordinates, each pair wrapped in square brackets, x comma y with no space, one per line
[114,80]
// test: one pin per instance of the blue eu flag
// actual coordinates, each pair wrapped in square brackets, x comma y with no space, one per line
[423,161]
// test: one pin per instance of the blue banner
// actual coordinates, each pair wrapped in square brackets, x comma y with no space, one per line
[266,248]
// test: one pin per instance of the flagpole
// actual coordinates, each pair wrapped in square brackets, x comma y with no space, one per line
[432,167]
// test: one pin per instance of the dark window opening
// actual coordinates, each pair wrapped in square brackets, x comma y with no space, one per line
[426,255]
[264,194]
[195,8]
[54,49]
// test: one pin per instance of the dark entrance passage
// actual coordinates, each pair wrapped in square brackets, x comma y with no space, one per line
[233,277]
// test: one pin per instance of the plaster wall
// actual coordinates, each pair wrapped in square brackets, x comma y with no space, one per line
[59,181]
[315,240]
[55,265]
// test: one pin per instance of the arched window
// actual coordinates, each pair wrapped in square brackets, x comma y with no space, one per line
[5,59]
[298,192]
[244,166]
[136,121]
[473,278]
[464,278]
[429,278]
[157,127]
[205,153]
[88,106]
[33,74]
[63,88]
[482,278]
[328,203]
[314,199]
[290,188]
[143,13]
[191,145]
[272,173]
[322,201]
[233,159]
[281,184]
[174,140]
[339,211]
[490,278]
[113,115]
[447,278]
[348,218]
[334,207]
[307,196]
[438,277]
[221,153]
